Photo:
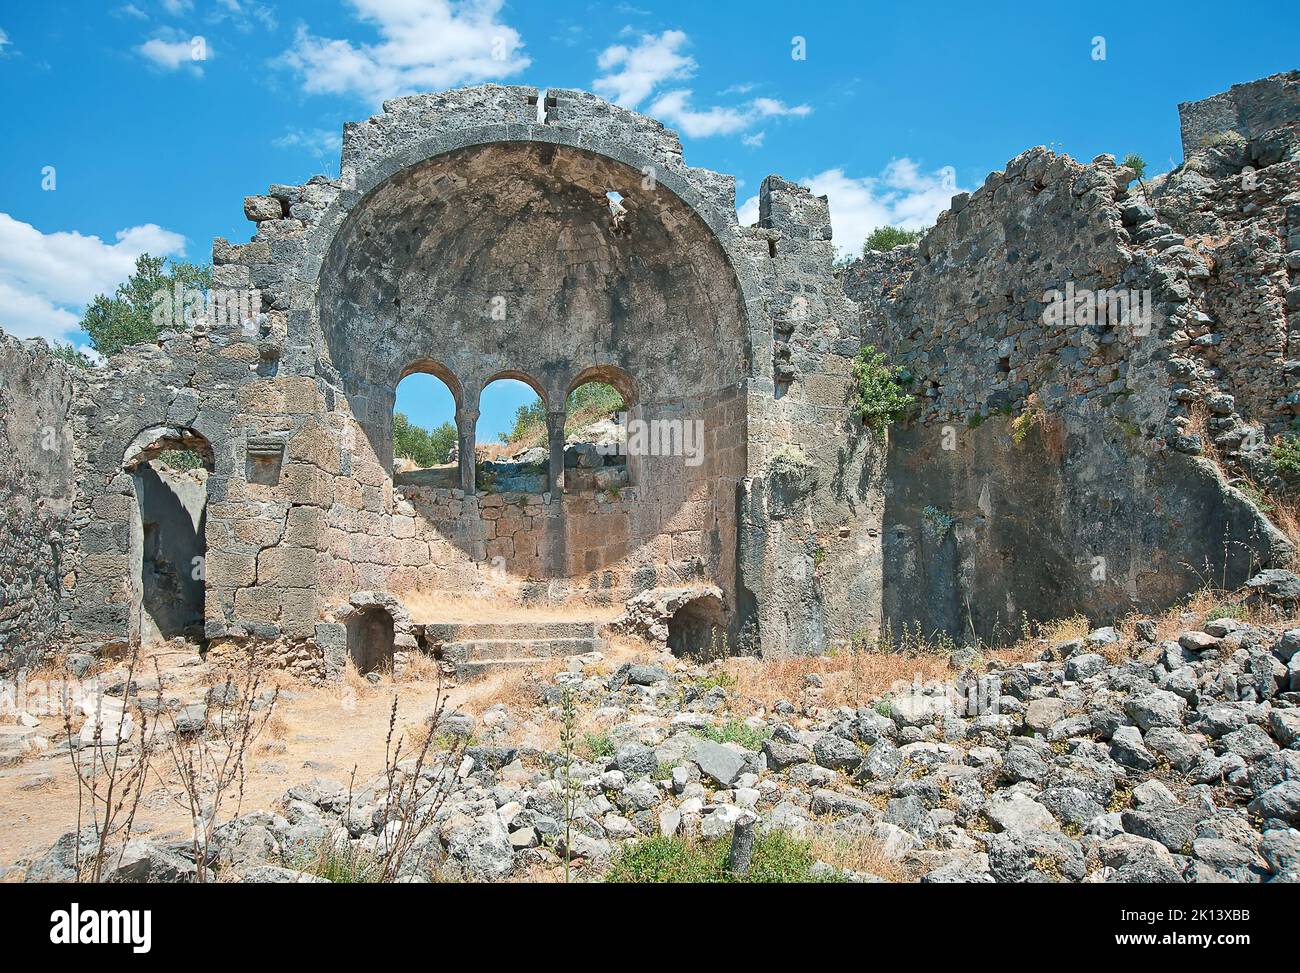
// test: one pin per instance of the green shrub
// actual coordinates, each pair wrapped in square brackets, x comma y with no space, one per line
[736,731]
[340,863]
[879,397]
[128,317]
[884,238]
[598,745]
[778,857]
[1136,163]
[530,423]
[71,355]
[594,397]
[937,523]
[180,459]
[1226,610]
[1285,455]
[790,461]
[422,446]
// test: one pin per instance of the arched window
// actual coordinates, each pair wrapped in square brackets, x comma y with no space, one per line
[595,437]
[425,438]
[511,436]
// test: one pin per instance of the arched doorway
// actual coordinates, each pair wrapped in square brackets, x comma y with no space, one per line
[169,469]
[371,639]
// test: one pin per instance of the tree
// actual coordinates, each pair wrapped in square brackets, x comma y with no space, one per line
[128,317]
[530,421]
[884,238]
[421,446]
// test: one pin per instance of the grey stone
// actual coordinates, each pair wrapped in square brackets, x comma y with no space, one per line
[837,753]
[718,763]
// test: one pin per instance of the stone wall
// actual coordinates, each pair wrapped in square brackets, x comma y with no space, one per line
[1045,470]
[38,462]
[1245,110]
[1052,465]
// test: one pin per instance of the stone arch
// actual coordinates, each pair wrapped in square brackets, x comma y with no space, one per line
[626,468]
[428,366]
[647,150]
[610,375]
[492,249]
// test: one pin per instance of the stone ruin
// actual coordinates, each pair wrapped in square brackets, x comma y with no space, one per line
[1050,467]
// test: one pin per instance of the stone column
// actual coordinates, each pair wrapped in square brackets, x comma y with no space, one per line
[555,442]
[466,420]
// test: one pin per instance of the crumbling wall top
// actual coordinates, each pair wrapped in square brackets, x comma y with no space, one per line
[1248,109]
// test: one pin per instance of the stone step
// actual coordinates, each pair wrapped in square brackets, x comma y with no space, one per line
[467,671]
[483,650]
[542,629]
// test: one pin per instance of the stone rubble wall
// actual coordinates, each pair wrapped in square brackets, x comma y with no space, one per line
[1065,441]
[1246,110]
[810,542]
[38,463]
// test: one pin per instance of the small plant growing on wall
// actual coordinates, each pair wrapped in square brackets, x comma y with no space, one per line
[937,523]
[1032,416]
[1136,163]
[879,393]
[1285,456]
[790,462]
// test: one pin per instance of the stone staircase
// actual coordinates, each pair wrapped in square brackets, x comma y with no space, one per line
[478,648]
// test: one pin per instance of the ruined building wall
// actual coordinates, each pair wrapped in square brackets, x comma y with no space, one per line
[811,504]
[1051,467]
[38,462]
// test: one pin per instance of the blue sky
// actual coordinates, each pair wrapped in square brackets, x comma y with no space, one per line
[894,107]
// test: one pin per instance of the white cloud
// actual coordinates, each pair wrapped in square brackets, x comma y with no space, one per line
[177,6]
[172,49]
[47,278]
[902,195]
[633,74]
[242,13]
[132,11]
[4,40]
[317,140]
[674,108]
[753,141]
[641,69]
[772,108]
[425,45]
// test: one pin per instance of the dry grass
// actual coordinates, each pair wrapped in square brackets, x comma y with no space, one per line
[419,667]
[850,678]
[859,853]
[426,607]
[515,689]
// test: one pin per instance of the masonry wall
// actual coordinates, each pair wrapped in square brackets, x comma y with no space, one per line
[38,462]
[810,541]
[1057,469]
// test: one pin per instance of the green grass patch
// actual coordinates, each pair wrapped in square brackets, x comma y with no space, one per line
[778,857]
[339,863]
[736,731]
[598,745]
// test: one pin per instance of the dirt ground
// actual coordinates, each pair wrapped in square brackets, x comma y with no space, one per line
[314,732]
